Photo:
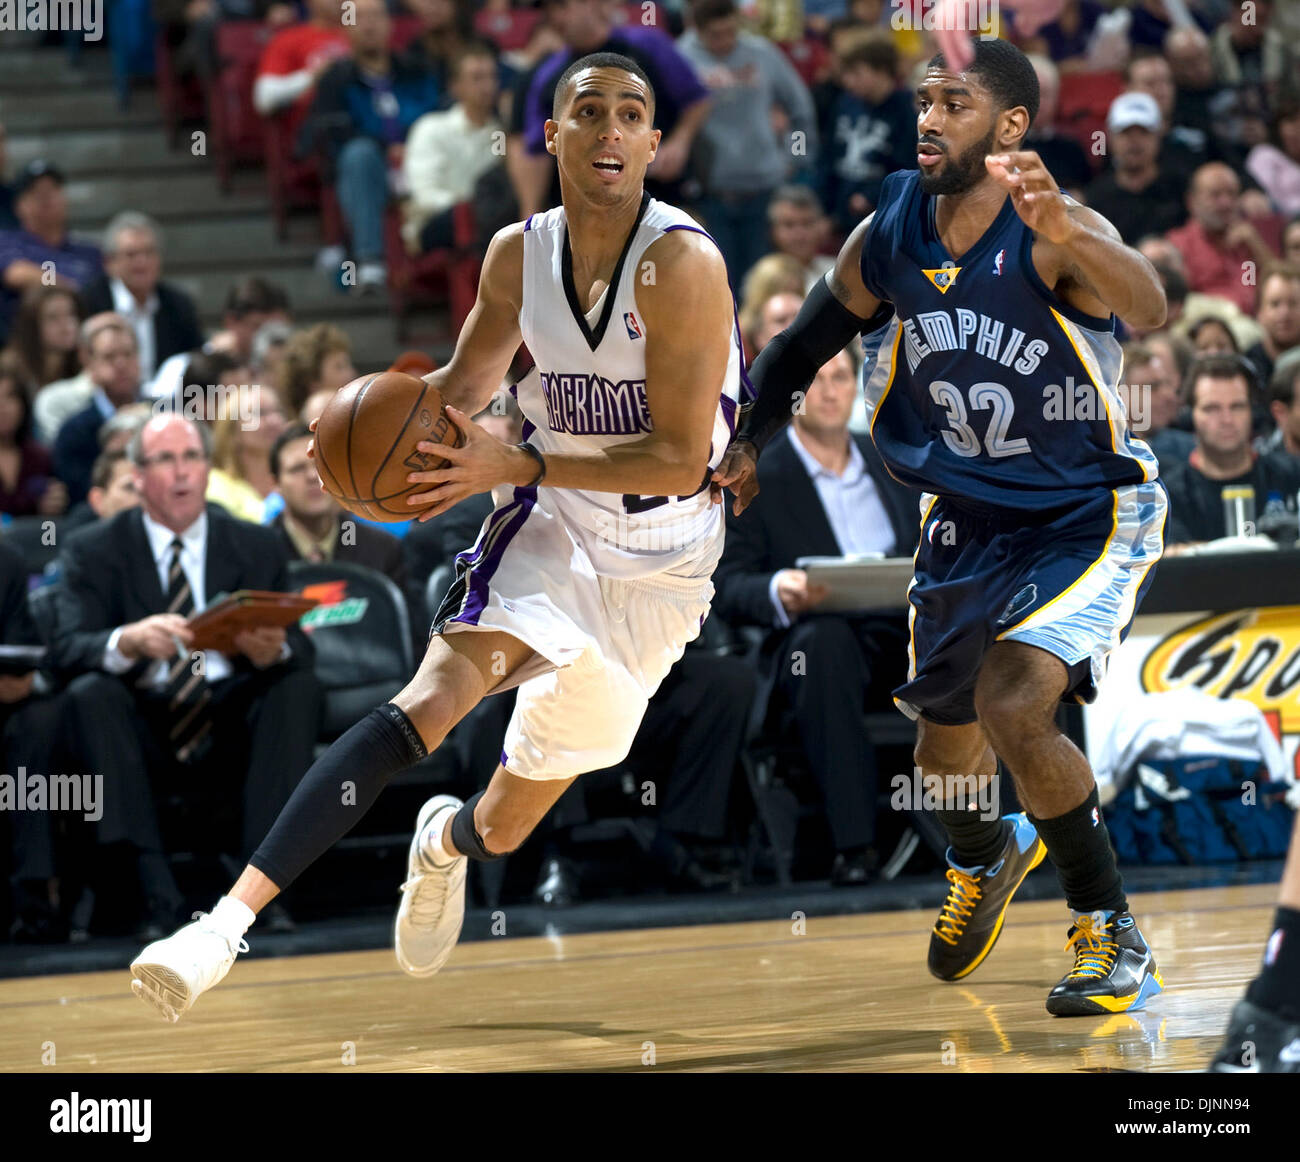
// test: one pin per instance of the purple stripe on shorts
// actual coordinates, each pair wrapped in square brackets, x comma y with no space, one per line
[505,758]
[528,225]
[482,572]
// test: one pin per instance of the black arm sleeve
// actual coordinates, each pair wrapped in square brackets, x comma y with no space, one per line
[788,364]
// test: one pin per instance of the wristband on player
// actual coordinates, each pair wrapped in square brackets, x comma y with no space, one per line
[541,463]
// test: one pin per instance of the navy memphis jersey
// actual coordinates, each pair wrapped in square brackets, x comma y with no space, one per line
[986,387]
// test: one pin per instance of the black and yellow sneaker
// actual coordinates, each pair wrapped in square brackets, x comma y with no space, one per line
[1114,971]
[1258,1041]
[970,920]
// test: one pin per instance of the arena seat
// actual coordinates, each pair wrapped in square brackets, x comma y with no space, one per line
[509,30]
[362,637]
[180,99]
[449,276]
[236,129]
[810,58]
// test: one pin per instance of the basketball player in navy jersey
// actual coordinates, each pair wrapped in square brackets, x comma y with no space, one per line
[591,574]
[990,298]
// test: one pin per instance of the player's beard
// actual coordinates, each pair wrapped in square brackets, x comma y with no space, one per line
[963,172]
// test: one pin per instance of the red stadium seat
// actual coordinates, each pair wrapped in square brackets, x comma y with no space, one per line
[405,29]
[810,57]
[237,129]
[180,100]
[441,276]
[294,184]
[1085,101]
[509,31]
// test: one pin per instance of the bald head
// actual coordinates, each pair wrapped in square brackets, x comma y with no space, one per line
[171,455]
[1213,196]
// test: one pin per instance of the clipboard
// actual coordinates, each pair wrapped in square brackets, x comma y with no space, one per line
[217,626]
[868,581]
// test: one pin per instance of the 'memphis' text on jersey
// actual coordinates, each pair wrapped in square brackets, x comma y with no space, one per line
[590,405]
[954,330]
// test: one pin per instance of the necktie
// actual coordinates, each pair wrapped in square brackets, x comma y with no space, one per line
[187,693]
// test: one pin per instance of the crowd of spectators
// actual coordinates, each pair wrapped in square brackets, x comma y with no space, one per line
[777,137]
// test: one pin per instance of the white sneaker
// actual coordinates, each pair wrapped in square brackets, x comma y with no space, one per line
[171,974]
[433,898]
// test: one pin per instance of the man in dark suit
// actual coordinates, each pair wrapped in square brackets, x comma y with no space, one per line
[142,704]
[823,492]
[163,316]
[111,358]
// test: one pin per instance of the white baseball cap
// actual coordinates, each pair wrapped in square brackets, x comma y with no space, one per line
[1130,109]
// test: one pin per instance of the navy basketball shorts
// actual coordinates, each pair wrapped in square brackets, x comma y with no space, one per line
[1068,583]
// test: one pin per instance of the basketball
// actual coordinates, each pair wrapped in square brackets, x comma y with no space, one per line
[366,443]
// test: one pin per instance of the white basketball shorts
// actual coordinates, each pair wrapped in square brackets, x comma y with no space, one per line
[603,644]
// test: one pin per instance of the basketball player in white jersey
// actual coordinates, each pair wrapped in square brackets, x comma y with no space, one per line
[592,573]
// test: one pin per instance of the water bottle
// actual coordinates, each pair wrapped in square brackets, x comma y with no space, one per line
[1277,522]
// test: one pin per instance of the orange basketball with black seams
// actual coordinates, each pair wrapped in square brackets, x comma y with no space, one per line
[366,443]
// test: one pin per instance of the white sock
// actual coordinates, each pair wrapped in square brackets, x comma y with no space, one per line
[232,918]
[431,841]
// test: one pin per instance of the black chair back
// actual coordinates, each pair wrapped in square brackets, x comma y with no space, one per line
[362,636]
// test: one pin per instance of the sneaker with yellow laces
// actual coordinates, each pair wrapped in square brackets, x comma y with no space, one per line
[970,920]
[1114,970]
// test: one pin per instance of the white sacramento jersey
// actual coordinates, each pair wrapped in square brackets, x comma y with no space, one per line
[587,391]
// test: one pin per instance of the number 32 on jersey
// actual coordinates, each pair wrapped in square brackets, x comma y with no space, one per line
[961,437]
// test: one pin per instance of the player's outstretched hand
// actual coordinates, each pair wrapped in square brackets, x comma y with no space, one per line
[1034,193]
[739,472]
[477,463]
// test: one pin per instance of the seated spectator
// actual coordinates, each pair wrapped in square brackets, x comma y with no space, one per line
[30,726]
[800,229]
[1156,400]
[445,29]
[1136,194]
[1222,387]
[740,157]
[681,101]
[1220,245]
[362,111]
[1211,335]
[1062,155]
[240,725]
[1182,147]
[42,237]
[447,153]
[295,58]
[1187,49]
[1285,406]
[269,347]
[28,485]
[771,318]
[112,489]
[1278,315]
[1276,163]
[311,524]
[250,304]
[163,316]
[868,133]
[109,354]
[823,492]
[241,480]
[44,338]
[318,359]
[770,275]
[1248,51]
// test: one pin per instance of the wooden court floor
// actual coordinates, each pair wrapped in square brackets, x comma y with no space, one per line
[850,993]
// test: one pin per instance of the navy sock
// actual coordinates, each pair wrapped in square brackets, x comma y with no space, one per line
[337,790]
[1277,988]
[975,841]
[1079,846]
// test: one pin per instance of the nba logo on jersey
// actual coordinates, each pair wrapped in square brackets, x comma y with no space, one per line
[997,262]
[1096,817]
[633,327]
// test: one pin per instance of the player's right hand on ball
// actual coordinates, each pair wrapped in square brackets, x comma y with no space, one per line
[154,637]
[739,472]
